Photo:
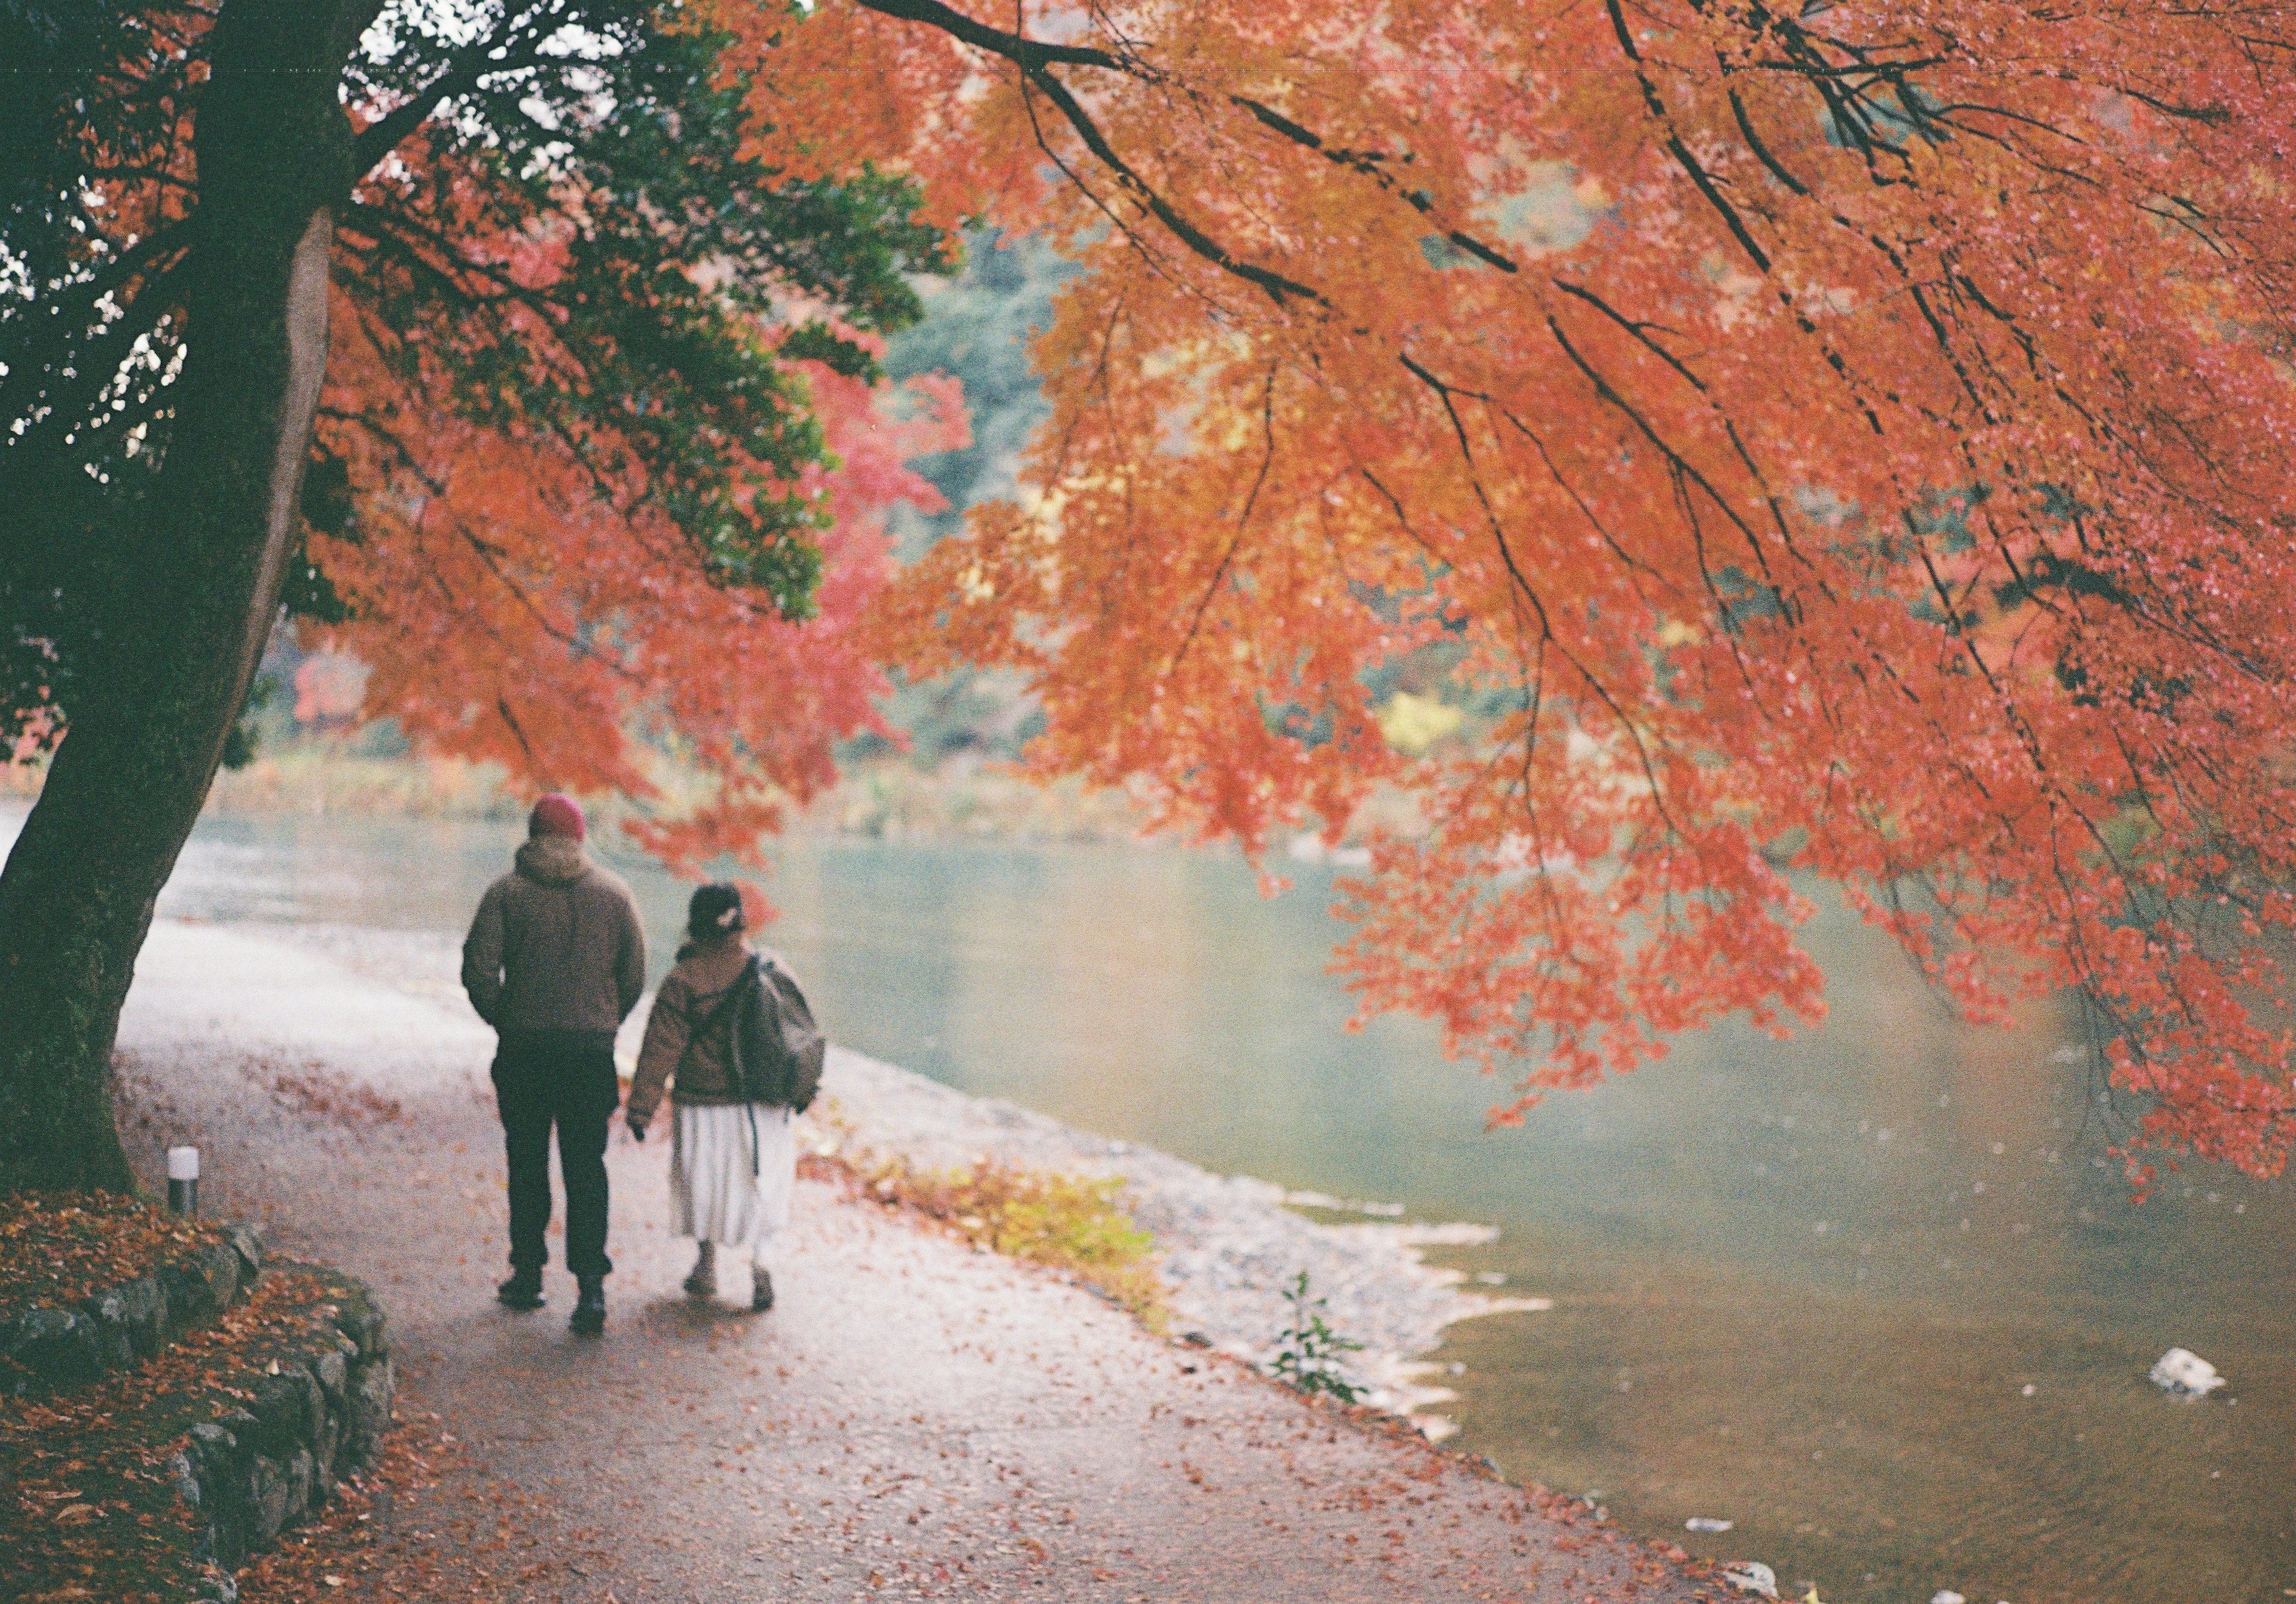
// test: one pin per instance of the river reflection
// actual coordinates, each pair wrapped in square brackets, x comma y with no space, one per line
[1874,1294]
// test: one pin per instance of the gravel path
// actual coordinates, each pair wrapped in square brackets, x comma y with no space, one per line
[916,1420]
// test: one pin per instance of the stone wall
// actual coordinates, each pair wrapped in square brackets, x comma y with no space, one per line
[319,1412]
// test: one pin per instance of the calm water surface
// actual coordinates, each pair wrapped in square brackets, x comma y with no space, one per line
[1873,1294]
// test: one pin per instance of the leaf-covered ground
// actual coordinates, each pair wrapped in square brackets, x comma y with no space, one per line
[87,1510]
[58,1248]
[423,1523]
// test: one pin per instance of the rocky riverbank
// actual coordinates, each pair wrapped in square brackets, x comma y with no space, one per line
[1228,1245]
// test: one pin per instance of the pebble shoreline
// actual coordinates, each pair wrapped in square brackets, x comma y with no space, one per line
[1228,1245]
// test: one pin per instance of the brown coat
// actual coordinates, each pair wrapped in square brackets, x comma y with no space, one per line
[677,1048]
[556,944]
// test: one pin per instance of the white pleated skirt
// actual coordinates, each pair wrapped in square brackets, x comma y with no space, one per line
[713,1195]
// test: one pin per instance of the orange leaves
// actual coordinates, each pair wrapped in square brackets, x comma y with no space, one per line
[513,615]
[1844,443]
[1849,444]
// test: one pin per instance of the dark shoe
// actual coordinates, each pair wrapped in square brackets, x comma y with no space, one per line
[761,1295]
[590,1310]
[524,1290]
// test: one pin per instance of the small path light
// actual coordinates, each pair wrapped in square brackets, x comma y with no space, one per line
[183,1181]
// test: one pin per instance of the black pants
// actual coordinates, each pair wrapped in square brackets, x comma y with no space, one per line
[566,1079]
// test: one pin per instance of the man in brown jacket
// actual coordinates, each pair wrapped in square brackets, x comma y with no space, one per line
[555,961]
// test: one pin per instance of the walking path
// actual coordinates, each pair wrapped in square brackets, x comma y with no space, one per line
[916,1420]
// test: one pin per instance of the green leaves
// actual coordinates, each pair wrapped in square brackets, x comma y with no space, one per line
[591,254]
[818,343]
[564,239]
[1307,1351]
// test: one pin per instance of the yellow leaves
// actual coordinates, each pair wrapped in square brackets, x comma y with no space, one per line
[1066,1223]
[1411,724]
[1592,194]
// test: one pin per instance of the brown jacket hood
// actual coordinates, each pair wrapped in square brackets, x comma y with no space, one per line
[553,861]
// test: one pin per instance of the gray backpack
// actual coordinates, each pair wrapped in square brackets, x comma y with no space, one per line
[777,1051]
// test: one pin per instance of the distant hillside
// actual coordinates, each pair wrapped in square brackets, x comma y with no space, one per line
[977,328]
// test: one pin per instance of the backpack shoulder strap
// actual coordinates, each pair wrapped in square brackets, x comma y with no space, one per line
[729,1000]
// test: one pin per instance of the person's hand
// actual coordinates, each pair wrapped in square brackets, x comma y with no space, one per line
[637,1128]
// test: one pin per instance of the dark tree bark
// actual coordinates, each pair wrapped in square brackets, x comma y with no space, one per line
[275,154]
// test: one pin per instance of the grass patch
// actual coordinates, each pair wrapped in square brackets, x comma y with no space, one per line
[59,1247]
[1072,1223]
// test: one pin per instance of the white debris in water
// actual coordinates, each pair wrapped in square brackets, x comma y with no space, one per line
[1946,1595]
[2185,1373]
[1752,1576]
[1707,1523]
[1325,1200]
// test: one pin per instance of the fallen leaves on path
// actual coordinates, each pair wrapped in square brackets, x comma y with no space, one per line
[427,1522]
[327,1096]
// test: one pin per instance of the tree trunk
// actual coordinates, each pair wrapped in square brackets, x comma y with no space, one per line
[76,900]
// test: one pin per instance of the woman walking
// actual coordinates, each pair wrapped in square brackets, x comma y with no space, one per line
[733,1157]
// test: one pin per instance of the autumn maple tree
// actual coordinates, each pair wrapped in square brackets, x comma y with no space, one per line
[518,353]
[1846,441]
[611,445]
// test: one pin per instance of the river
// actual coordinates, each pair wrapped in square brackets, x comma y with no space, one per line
[1874,1294]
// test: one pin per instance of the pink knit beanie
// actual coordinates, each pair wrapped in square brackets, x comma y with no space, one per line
[557,814]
